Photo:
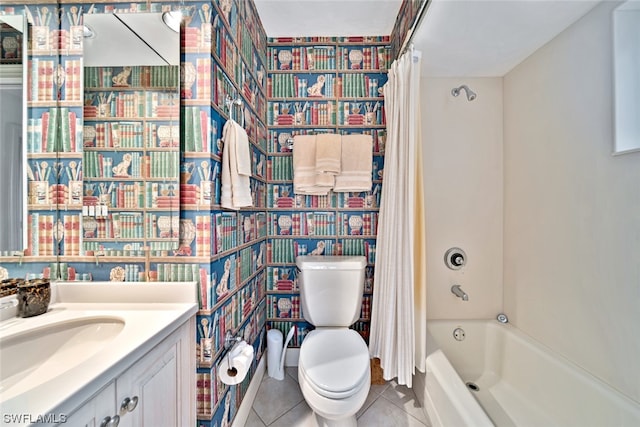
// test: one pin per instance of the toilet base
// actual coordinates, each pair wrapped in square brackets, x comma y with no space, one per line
[342,422]
[334,412]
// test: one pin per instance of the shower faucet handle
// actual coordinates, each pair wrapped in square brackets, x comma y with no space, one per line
[455,258]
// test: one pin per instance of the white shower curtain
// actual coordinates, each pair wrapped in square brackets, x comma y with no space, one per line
[398,319]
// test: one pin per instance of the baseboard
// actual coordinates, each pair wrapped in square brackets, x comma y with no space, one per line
[420,390]
[245,407]
[291,358]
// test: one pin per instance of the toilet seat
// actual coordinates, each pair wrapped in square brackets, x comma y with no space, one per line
[335,362]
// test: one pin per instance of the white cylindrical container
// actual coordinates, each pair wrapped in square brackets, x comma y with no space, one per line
[274,354]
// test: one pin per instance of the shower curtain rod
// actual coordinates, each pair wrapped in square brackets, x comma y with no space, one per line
[421,14]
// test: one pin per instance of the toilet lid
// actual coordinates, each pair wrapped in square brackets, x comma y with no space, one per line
[335,361]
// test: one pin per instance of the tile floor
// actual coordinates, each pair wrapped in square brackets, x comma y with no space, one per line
[281,404]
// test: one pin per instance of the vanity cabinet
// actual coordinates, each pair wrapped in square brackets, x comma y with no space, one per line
[154,390]
[160,382]
[93,412]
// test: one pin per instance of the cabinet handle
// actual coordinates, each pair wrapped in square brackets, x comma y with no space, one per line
[133,404]
[110,421]
[128,404]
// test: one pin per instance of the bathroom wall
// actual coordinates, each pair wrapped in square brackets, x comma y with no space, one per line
[407,16]
[572,230]
[223,48]
[463,167]
[349,71]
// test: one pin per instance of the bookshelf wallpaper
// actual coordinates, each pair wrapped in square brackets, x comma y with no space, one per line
[243,261]
[10,45]
[166,197]
[320,85]
[406,17]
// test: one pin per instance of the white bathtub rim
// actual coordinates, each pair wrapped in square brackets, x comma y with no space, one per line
[466,406]
[559,358]
[539,347]
[622,407]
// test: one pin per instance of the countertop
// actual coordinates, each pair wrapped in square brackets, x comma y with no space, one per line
[150,312]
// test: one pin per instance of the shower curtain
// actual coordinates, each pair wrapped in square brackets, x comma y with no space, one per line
[398,318]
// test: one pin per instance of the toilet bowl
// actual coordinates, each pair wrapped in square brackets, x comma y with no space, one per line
[334,375]
[333,365]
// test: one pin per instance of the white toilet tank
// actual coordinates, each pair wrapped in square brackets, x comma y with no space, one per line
[331,289]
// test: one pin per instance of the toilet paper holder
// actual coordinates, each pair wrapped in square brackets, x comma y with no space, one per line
[230,344]
[230,340]
[236,363]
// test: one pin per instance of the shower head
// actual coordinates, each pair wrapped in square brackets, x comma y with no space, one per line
[471,95]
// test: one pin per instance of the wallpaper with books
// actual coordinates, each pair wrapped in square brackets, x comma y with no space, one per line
[124,170]
[49,99]
[406,17]
[320,85]
[243,261]
[10,45]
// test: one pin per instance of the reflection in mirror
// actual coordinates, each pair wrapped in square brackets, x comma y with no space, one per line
[130,179]
[626,39]
[12,149]
[121,39]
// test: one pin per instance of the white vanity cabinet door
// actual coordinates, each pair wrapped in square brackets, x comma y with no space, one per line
[160,386]
[93,412]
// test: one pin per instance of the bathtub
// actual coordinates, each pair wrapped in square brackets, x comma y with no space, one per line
[518,382]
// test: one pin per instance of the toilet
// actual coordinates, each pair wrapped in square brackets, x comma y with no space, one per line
[333,366]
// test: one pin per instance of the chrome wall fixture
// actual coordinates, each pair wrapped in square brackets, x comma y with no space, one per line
[455,258]
[471,95]
[230,104]
[457,291]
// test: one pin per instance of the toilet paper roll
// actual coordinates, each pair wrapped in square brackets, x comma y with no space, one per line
[233,367]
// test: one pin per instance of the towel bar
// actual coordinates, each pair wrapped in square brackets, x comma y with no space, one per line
[230,103]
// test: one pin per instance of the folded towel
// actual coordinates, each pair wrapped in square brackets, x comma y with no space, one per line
[328,151]
[243,152]
[324,181]
[327,159]
[357,160]
[236,158]
[304,166]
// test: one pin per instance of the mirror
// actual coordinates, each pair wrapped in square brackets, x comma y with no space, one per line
[12,116]
[129,180]
[626,40]
[129,39]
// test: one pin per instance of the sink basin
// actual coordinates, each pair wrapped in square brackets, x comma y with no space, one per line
[37,355]
[51,363]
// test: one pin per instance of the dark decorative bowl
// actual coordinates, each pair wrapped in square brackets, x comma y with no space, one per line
[9,287]
[33,297]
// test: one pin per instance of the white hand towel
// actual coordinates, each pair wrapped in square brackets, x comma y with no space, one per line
[304,166]
[357,161]
[243,152]
[236,188]
[328,152]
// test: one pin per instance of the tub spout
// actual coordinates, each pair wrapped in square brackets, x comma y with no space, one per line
[455,289]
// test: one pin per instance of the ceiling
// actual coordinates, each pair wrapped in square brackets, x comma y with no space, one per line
[130,39]
[296,18]
[483,38]
[16,21]
[458,38]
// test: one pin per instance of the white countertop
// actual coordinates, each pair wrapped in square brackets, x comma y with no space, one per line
[150,312]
